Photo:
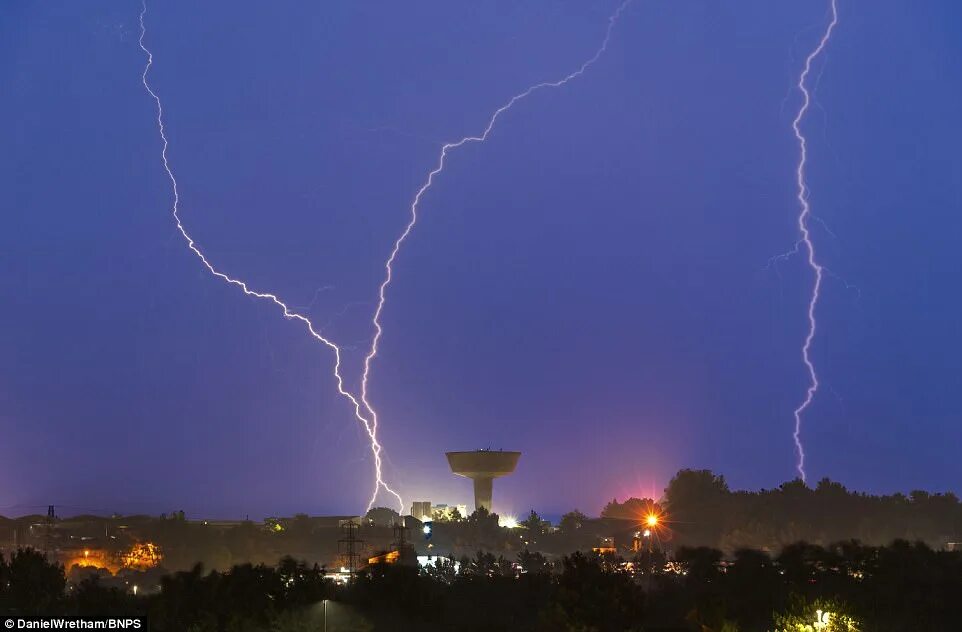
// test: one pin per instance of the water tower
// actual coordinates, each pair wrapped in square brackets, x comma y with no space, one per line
[482,467]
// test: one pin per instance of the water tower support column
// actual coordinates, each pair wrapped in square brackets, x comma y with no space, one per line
[483,489]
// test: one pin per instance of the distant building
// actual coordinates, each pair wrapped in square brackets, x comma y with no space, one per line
[342,577]
[425,561]
[388,557]
[422,510]
[444,513]
[218,525]
[605,545]
[316,522]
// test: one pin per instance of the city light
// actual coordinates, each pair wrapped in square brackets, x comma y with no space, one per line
[822,619]
[508,522]
[142,556]
[651,520]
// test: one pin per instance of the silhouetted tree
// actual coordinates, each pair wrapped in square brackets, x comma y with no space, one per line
[533,523]
[443,570]
[33,585]
[572,521]
[696,503]
[634,509]
[591,596]
[92,599]
[534,563]
[382,517]
[481,565]
[752,589]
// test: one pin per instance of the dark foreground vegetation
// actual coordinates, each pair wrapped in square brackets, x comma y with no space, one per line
[705,512]
[900,587]
[697,509]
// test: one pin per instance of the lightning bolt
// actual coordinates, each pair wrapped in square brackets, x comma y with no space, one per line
[365,414]
[805,241]
[434,173]
[369,427]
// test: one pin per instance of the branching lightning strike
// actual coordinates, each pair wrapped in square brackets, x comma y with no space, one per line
[805,241]
[445,149]
[288,312]
[367,416]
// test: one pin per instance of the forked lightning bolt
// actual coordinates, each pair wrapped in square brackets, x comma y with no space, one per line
[805,241]
[288,312]
[367,416]
[415,204]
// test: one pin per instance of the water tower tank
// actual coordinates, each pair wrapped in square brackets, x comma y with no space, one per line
[483,466]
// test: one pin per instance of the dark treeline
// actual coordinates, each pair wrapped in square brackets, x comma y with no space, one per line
[697,509]
[703,511]
[894,588]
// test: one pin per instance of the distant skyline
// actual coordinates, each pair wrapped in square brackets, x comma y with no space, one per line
[591,286]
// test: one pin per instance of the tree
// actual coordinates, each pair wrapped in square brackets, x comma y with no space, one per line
[533,563]
[482,565]
[35,585]
[752,589]
[820,614]
[572,521]
[303,585]
[635,509]
[799,562]
[481,517]
[533,523]
[443,570]
[95,600]
[382,517]
[696,500]
[504,567]
[702,563]
[592,597]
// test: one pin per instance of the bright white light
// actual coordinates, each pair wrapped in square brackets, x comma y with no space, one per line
[822,620]
[508,522]
[426,529]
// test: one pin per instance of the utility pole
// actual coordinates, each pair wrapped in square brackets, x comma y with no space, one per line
[51,516]
[348,547]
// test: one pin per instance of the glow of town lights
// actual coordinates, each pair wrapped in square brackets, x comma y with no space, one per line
[508,522]
[804,216]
